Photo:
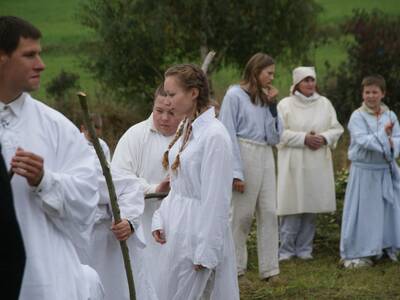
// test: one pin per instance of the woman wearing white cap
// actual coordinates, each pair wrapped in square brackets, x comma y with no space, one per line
[305,178]
[249,113]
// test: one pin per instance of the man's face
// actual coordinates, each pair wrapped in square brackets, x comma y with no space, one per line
[372,96]
[20,71]
[164,118]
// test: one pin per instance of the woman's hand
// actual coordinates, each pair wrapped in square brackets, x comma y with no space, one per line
[389,128]
[163,186]
[159,236]
[199,267]
[122,230]
[313,141]
[238,185]
[272,92]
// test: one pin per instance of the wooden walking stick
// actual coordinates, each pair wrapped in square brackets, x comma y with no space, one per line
[111,190]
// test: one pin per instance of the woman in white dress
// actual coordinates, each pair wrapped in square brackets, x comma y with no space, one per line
[192,224]
[305,172]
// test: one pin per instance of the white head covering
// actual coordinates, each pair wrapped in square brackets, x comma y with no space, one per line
[300,73]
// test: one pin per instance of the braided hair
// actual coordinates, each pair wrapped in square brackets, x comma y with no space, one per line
[189,76]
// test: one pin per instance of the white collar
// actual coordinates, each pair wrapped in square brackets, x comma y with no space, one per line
[16,105]
[306,99]
[202,120]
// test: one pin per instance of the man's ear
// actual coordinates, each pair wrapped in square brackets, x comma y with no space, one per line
[3,57]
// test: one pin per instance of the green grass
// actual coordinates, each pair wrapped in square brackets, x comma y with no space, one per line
[324,278]
[336,11]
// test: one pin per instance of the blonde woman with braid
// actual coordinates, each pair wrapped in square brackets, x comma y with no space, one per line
[249,113]
[197,258]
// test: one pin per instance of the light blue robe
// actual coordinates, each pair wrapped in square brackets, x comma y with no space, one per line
[371,214]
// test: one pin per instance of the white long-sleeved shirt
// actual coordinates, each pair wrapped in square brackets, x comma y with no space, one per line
[61,210]
[140,151]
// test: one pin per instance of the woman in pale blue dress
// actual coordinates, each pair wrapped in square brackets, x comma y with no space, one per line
[371,215]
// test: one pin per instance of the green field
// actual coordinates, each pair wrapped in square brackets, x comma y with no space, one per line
[321,278]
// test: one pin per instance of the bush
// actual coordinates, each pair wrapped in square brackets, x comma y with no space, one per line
[117,116]
[59,86]
[374,50]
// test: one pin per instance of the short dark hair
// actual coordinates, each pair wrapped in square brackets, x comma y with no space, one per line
[12,29]
[377,80]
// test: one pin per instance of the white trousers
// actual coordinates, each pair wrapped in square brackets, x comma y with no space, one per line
[259,197]
[297,234]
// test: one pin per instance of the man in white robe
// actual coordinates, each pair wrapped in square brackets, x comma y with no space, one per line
[104,251]
[140,151]
[54,182]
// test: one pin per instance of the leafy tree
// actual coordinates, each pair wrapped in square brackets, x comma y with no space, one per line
[138,39]
[58,87]
[374,50]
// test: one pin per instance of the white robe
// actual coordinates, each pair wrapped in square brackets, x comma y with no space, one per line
[195,217]
[105,254]
[61,209]
[305,177]
[139,152]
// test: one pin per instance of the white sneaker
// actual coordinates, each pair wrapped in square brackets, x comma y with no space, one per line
[357,263]
[285,257]
[392,256]
[305,257]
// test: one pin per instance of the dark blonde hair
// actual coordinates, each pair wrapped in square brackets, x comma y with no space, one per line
[160,91]
[252,70]
[189,76]
[377,80]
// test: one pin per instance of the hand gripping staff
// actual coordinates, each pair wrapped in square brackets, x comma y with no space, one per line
[111,190]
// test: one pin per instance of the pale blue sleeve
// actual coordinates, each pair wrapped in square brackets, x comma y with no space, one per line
[273,128]
[229,117]
[395,135]
[365,139]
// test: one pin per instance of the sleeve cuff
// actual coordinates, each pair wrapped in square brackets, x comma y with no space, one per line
[238,175]
[49,193]
[152,188]
[328,141]
[156,223]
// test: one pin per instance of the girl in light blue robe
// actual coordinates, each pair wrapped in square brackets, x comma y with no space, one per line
[371,215]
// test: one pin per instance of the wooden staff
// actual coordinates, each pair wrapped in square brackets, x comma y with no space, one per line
[156,195]
[111,190]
